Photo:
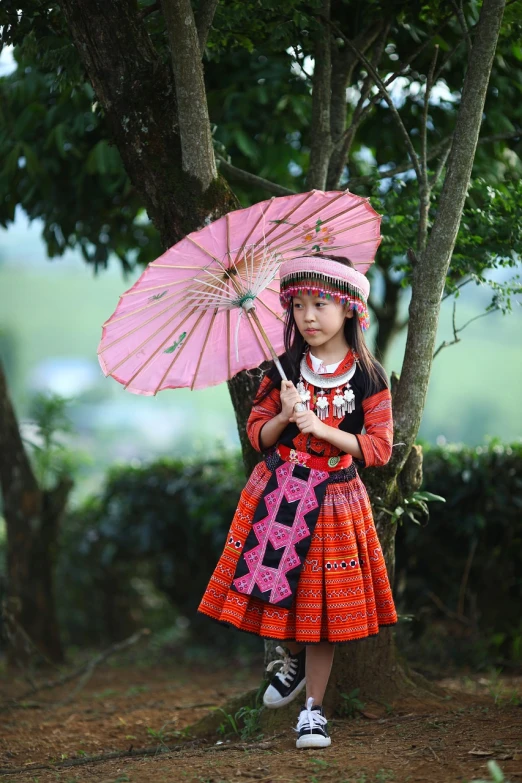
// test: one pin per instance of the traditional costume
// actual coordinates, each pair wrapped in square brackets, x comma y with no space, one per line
[302,559]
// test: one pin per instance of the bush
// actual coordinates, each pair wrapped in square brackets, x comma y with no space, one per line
[144,551]
[461,575]
[142,554]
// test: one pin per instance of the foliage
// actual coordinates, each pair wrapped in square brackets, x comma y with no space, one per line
[351,704]
[461,574]
[56,147]
[495,772]
[412,506]
[56,152]
[152,538]
[148,542]
[245,723]
[50,452]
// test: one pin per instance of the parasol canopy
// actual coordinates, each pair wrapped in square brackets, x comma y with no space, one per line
[209,306]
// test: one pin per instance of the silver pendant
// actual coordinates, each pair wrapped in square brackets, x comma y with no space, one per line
[321,406]
[339,404]
[349,399]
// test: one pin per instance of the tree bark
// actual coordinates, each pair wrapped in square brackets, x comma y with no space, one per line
[32,519]
[197,154]
[343,64]
[138,95]
[321,142]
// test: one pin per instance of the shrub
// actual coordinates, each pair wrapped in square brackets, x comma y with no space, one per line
[461,574]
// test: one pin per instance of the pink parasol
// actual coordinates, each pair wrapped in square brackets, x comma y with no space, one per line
[209,306]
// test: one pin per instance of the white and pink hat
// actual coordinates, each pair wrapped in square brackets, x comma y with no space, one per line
[329,279]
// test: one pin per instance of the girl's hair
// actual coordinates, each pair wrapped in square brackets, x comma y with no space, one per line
[295,345]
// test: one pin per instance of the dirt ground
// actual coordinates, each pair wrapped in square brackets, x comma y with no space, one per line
[141,707]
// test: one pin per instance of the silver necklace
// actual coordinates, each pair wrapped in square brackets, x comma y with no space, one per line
[344,399]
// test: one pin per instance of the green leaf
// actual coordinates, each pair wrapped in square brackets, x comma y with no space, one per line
[245,144]
[429,496]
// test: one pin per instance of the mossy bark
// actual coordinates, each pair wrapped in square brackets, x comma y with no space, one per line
[32,518]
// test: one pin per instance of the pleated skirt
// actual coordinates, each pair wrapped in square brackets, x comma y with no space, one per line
[343,591]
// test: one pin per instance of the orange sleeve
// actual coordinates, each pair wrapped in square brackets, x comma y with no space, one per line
[376,444]
[262,412]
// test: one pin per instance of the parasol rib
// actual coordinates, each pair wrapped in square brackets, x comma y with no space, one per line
[203,348]
[262,348]
[163,344]
[173,299]
[285,218]
[260,301]
[186,300]
[261,216]
[324,222]
[228,344]
[306,217]
[141,345]
[176,357]
[135,292]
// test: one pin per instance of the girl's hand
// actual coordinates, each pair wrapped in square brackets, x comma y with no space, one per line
[289,397]
[309,424]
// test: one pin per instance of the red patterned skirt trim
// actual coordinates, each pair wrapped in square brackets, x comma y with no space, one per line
[343,592]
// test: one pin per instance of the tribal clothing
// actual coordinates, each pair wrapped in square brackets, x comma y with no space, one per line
[343,591]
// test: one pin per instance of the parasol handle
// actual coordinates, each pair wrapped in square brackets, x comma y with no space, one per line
[251,311]
[254,316]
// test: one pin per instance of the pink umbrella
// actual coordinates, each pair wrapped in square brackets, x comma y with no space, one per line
[209,306]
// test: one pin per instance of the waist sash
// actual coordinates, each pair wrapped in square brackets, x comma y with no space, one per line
[284,521]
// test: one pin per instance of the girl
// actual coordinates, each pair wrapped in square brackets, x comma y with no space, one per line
[302,562]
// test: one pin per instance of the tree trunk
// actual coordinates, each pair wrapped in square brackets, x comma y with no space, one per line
[32,518]
[138,95]
[388,485]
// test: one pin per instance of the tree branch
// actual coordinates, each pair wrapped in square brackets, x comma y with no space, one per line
[443,146]
[459,12]
[345,141]
[197,153]
[321,141]
[138,95]
[429,275]
[457,288]
[239,175]
[385,95]
[343,64]
[424,185]
[298,61]
[457,331]
[204,19]
[440,166]
[16,473]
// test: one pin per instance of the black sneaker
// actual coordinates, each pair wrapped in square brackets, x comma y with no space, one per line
[312,727]
[289,680]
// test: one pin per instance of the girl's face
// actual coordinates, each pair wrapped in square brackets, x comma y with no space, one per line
[319,320]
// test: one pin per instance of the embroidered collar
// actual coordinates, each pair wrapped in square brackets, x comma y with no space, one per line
[344,366]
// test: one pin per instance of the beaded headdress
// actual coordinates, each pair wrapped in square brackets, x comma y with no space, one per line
[328,279]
